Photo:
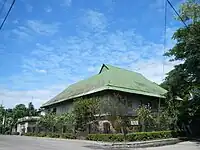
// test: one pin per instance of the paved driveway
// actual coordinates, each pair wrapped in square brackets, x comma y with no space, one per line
[34,143]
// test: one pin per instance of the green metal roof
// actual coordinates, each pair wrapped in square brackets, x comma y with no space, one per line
[110,78]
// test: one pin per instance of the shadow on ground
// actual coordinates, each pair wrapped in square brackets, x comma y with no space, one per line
[98,147]
[196,140]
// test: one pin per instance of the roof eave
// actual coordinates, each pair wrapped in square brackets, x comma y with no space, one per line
[133,91]
[108,87]
[76,96]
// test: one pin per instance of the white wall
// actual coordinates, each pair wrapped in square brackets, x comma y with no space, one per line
[26,126]
[18,127]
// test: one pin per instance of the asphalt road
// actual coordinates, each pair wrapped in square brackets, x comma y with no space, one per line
[34,143]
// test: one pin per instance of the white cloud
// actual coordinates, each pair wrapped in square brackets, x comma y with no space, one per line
[12,97]
[94,20]
[22,33]
[69,59]
[81,56]
[169,41]
[93,69]
[153,69]
[29,8]
[35,27]
[16,21]
[157,5]
[41,71]
[66,3]
[43,28]
[48,9]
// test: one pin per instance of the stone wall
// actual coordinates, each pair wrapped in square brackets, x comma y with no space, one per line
[65,107]
[133,101]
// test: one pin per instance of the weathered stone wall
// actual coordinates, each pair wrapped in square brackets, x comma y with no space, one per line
[133,101]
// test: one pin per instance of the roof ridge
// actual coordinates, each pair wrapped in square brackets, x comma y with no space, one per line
[107,65]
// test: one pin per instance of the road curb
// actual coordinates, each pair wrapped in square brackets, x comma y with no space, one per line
[141,144]
[137,144]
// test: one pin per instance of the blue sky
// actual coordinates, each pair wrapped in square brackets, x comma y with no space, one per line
[47,45]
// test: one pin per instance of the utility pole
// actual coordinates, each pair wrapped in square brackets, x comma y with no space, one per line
[4,122]
[1,125]
[4,118]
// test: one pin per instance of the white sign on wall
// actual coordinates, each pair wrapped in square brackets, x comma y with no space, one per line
[134,122]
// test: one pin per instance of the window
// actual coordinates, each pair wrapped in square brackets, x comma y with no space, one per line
[54,110]
[149,105]
[146,103]
[130,103]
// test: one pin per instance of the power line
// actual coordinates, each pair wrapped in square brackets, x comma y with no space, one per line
[2,7]
[11,6]
[177,13]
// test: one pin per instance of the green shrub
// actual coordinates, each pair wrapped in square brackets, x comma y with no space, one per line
[53,135]
[13,133]
[143,136]
[29,134]
[68,136]
[105,137]
[138,136]
[41,134]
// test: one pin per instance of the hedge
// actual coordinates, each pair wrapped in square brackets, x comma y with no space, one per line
[52,135]
[138,136]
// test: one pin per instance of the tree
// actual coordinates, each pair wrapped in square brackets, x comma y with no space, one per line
[84,111]
[186,75]
[2,118]
[176,82]
[66,122]
[116,109]
[19,111]
[11,116]
[164,121]
[145,117]
[48,122]
[184,79]
[31,110]
[2,112]
[9,121]
[190,11]
[189,113]
[187,48]
[57,123]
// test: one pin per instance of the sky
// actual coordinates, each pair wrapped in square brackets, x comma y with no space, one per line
[47,45]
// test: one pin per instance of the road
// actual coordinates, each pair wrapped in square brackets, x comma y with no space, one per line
[34,143]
